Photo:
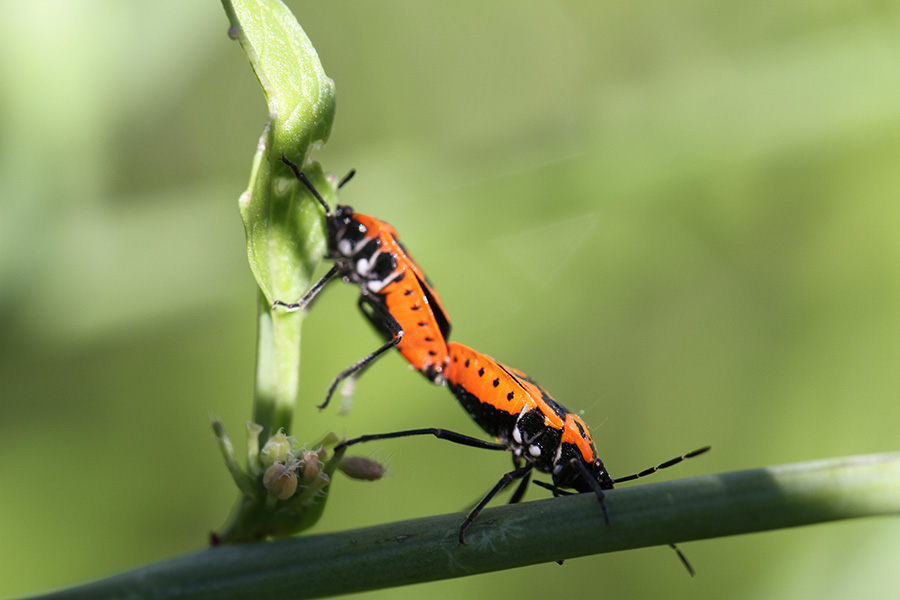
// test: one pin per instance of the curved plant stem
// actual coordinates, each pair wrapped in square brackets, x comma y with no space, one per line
[283,224]
[518,535]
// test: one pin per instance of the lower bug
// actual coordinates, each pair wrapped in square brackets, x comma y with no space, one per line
[526,421]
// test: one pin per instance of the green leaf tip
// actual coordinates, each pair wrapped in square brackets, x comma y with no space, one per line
[283,223]
[301,98]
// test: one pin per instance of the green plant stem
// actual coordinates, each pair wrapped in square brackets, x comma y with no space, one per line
[285,234]
[518,535]
[277,367]
[283,224]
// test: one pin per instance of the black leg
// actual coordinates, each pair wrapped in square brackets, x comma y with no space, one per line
[666,465]
[504,481]
[391,327]
[520,490]
[595,486]
[441,434]
[684,560]
[354,368]
[556,491]
[378,316]
[308,296]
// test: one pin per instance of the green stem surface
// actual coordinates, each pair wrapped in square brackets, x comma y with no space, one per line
[518,535]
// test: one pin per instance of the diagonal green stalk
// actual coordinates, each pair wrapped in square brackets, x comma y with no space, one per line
[518,535]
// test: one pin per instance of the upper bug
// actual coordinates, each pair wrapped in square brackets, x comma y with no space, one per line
[395,296]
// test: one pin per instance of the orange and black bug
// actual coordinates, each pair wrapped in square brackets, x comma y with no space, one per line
[539,432]
[395,296]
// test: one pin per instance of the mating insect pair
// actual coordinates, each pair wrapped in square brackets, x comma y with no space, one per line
[397,298]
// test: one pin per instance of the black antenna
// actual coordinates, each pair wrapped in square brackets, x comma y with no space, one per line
[665,465]
[673,461]
[302,177]
[346,178]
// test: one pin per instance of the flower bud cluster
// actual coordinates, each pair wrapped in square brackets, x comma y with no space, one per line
[287,465]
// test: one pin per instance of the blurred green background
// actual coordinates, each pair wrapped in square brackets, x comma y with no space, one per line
[681,218]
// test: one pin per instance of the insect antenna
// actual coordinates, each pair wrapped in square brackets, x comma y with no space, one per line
[674,461]
[346,178]
[305,180]
[665,465]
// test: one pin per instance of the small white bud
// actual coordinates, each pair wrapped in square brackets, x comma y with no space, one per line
[280,480]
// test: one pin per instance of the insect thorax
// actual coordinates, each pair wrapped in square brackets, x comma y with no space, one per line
[357,250]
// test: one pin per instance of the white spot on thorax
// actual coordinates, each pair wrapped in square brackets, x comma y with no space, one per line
[345,247]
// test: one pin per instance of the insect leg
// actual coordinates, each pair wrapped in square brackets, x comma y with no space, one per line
[441,434]
[549,486]
[520,490]
[390,326]
[504,481]
[312,293]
